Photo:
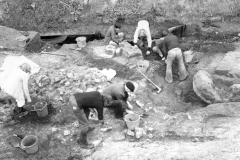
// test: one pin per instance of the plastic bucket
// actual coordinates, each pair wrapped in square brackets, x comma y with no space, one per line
[132,120]
[81,41]
[41,109]
[30,144]
[143,66]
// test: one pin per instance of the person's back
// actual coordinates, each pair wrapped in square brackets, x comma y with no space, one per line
[109,32]
[171,41]
[13,85]
[116,91]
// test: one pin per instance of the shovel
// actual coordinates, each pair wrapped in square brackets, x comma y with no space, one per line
[157,87]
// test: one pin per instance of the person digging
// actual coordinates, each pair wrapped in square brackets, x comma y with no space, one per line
[81,103]
[120,93]
[171,50]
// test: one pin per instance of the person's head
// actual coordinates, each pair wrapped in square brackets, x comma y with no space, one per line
[165,32]
[142,33]
[129,87]
[117,26]
[26,67]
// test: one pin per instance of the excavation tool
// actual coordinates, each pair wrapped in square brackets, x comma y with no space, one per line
[159,89]
[52,53]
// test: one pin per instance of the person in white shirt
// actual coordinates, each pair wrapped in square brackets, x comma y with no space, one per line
[16,85]
[141,33]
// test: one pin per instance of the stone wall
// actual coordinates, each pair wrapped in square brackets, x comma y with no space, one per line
[61,15]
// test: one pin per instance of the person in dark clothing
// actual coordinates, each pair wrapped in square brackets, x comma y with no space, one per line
[113,36]
[120,93]
[171,50]
[81,104]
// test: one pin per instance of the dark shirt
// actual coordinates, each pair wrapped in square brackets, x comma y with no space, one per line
[170,42]
[91,100]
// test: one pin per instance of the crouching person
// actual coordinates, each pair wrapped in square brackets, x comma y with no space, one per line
[120,94]
[16,85]
[114,36]
[81,104]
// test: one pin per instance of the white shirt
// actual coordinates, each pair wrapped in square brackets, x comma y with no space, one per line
[143,24]
[16,85]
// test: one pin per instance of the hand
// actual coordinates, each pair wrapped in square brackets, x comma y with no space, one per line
[29,100]
[135,47]
[148,52]
[129,111]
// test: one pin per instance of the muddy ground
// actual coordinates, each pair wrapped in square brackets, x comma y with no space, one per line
[58,132]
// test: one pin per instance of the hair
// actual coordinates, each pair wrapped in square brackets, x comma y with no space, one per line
[26,67]
[117,25]
[130,86]
[165,32]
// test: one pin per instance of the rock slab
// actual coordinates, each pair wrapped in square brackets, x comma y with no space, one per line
[204,87]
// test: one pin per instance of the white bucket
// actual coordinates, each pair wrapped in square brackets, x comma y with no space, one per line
[132,120]
[81,41]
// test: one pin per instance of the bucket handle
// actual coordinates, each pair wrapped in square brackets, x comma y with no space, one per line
[38,109]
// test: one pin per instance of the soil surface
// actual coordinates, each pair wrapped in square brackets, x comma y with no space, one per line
[58,132]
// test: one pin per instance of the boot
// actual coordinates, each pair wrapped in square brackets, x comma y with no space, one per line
[83,142]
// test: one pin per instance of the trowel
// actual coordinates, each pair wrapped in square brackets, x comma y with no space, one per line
[15,140]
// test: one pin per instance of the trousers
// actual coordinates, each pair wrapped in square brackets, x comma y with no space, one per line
[80,114]
[172,54]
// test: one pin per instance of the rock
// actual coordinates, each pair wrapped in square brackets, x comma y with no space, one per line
[140,104]
[188,55]
[58,79]
[178,92]
[90,90]
[106,129]
[35,44]
[79,90]
[110,50]
[235,93]
[204,88]
[208,121]
[214,19]
[150,135]
[70,75]
[129,50]
[66,133]
[130,133]
[67,84]
[8,39]
[101,52]
[138,134]
[118,51]
[229,66]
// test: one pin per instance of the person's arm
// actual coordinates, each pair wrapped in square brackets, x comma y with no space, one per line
[149,39]
[25,79]
[164,49]
[100,113]
[135,38]
[129,105]
[113,35]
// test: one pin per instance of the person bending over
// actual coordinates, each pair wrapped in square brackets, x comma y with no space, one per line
[142,34]
[171,49]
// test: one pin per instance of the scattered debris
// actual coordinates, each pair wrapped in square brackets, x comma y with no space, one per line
[66,133]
